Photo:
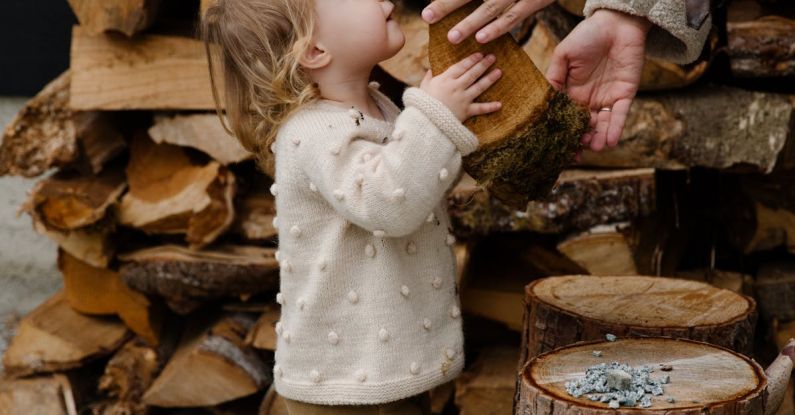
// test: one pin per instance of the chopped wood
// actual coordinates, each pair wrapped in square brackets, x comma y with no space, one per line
[728,280]
[212,365]
[263,333]
[523,147]
[568,309]
[98,139]
[487,387]
[705,379]
[186,278]
[113,72]
[200,131]
[713,126]
[581,200]
[762,214]
[774,290]
[55,337]
[760,38]
[602,250]
[50,395]
[254,216]
[95,247]
[127,376]
[41,135]
[170,194]
[125,16]
[67,201]
[554,24]
[82,282]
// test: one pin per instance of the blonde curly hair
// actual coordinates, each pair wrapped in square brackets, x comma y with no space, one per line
[255,45]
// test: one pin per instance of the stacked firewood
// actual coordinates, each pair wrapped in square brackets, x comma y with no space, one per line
[166,241]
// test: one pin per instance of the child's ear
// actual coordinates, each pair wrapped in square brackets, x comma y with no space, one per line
[315,56]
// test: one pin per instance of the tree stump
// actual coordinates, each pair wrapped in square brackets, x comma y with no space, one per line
[704,379]
[564,310]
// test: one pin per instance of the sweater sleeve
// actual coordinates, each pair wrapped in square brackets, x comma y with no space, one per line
[670,38]
[391,188]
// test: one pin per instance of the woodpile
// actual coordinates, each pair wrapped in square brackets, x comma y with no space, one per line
[167,242]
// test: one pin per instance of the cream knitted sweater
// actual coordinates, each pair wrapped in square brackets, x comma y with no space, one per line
[369,304]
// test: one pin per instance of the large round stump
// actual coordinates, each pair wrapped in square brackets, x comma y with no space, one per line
[704,379]
[564,310]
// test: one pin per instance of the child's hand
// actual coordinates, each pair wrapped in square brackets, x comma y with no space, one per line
[461,84]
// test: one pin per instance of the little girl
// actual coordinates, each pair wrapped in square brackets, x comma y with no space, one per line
[370,317]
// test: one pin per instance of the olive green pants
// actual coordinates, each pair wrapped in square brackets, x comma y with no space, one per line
[414,405]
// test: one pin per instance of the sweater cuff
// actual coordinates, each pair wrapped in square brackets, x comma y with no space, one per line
[670,38]
[443,118]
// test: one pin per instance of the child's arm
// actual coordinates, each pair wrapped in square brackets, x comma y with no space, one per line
[390,189]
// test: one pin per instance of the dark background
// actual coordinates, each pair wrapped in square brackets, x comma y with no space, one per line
[34,44]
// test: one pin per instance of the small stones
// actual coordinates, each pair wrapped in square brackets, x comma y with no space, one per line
[414,368]
[274,189]
[443,174]
[614,404]
[671,400]
[619,380]
[314,375]
[361,376]
[411,248]
[597,353]
[404,290]
[379,233]
[295,231]
[383,335]
[436,283]
[455,312]
[339,194]
[369,250]
[666,368]
[611,337]
[333,337]
[426,323]
[312,187]
[608,382]
[353,297]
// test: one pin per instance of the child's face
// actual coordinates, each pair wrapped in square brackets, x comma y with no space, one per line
[358,33]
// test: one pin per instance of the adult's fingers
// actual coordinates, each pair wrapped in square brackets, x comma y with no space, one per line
[484,14]
[461,67]
[558,69]
[617,119]
[480,108]
[441,8]
[600,135]
[509,19]
[484,83]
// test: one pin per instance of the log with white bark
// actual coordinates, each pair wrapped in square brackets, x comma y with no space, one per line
[200,131]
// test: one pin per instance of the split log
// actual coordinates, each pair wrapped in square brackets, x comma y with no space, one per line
[187,278]
[95,247]
[714,127]
[581,200]
[170,194]
[525,146]
[488,386]
[603,250]
[774,290]
[496,292]
[127,376]
[568,309]
[82,282]
[55,337]
[47,133]
[263,333]
[212,365]
[200,131]
[705,379]
[760,38]
[125,16]
[554,24]
[50,395]
[254,216]
[113,72]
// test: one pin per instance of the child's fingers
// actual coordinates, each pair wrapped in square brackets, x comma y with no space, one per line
[477,70]
[463,65]
[480,108]
[483,84]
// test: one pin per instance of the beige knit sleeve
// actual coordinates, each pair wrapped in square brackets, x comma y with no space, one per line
[670,38]
[387,188]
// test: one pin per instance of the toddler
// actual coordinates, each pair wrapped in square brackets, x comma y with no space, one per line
[370,315]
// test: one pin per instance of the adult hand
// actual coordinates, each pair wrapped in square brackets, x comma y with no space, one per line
[599,64]
[491,20]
